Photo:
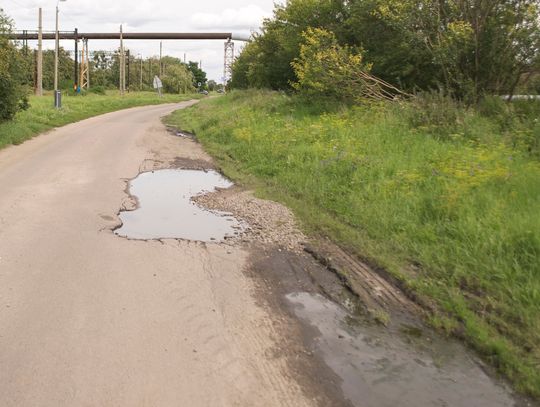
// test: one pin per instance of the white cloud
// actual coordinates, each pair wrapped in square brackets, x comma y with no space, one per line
[249,17]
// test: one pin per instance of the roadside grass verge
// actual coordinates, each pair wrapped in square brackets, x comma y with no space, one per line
[453,212]
[42,115]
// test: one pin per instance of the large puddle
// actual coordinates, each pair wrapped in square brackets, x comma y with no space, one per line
[379,369]
[165,209]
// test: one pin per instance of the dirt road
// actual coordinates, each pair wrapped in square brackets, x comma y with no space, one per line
[89,318]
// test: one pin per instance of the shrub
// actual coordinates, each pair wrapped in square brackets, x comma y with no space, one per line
[13,94]
[98,90]
[326,69]
[434,112]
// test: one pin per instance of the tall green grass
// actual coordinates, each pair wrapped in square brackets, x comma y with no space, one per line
[42,115]
[450,205]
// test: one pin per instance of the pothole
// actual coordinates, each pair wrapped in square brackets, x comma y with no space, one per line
[165,208]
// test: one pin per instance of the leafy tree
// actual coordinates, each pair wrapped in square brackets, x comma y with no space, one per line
[476,46]
[101,66]
[65,69]
[266,61]
[177,79]
[396,54]
[465,48]
[12,74]
[212,85]
[199,76]
[240,78]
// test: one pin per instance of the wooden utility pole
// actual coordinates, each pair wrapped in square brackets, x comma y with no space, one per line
[87,65]
[76,83]
[140,86]
[160,55]
[121,63]
[39,62]
[56,53]
[128,68]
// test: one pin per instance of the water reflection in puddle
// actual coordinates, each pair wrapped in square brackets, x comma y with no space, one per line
[379,369]
[166,210]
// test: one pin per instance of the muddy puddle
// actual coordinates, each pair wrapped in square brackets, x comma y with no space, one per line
[165,209]
[379,369]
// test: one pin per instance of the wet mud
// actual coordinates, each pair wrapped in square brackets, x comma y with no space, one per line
[403,363]
[379,370]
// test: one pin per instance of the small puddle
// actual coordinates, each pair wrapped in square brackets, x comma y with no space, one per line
[165,209]
[379,369]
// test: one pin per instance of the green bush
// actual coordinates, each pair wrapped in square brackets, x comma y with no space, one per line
[98,90]
[435,113]
[13,93]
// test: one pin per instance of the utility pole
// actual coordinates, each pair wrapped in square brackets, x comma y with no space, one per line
[128,68]
[140,86]
[87,66]
[122,66]
[76,72]
[39,63]
[57,96]
[56,54]
[184,57]
[160,55]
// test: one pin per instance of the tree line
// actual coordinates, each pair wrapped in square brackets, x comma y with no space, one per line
[462,48]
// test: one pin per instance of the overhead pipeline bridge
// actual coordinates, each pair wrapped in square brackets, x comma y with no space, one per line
[229,37]
[26,35]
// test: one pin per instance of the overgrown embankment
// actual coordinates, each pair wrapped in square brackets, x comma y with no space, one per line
[42,116]
[446,199]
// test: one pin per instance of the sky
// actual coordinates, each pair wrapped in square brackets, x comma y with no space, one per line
[237,16]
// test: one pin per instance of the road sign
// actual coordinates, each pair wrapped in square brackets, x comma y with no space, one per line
[157,83]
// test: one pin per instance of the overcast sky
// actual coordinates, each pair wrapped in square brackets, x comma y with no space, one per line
[237,16]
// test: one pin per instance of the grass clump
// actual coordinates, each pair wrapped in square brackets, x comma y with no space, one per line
[42,116]
[448,202]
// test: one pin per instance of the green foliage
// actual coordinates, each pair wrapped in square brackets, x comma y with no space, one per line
[326,69]
[199,76]
[435,112]
[465,48]
[178,79]
[12,68]
[65,70]
[462,208]
[212,85]
[176,76]
[395,54]
[98,90]
[266,61]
